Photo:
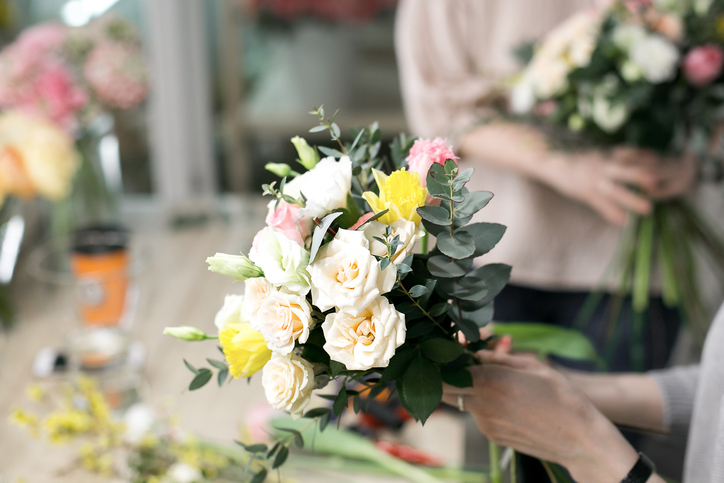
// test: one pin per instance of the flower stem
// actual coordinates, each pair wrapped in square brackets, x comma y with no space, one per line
[402,287]
[423,242]
[494,452]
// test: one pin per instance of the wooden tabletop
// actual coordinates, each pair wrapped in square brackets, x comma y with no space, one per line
[175,289]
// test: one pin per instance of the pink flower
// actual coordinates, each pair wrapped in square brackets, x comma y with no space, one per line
[117,74]
[702,65]
[424,153]
[287,220]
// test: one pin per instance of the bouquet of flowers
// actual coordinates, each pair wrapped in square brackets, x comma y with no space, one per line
[69,75]
[340,285]
[648,74]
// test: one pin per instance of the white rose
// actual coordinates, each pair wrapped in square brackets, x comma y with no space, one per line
[408,232]
[550,77]
[230,313]
[326,186]
[656,57]
[607,115]
[345,275]
[288,382]
[282,319]
[283,261]
[367,340]
[256,290]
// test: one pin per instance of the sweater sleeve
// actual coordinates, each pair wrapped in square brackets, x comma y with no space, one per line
[441,89]
[678,387]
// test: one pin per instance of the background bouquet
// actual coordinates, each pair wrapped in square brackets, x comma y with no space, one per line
[646,74]
[335,290]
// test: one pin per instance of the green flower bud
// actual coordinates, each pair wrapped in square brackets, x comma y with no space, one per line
[308,156]
[185,333]
[576,123]
[237,267]
[280,169]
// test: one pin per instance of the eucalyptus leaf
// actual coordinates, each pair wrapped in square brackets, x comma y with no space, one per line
[460,246]
[418,291]
[259,477]
[319,233]
[486,236]
[203,376]
[445,267]
[435,214]
[474,202]
[494,275]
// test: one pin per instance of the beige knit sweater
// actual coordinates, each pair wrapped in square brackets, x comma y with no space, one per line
[451,54]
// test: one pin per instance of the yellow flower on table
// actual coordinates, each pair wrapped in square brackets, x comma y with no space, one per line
[244,348]
[401,193]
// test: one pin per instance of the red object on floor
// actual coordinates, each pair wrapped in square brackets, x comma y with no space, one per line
[409,454]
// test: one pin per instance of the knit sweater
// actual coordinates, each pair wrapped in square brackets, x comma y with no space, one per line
[694,400]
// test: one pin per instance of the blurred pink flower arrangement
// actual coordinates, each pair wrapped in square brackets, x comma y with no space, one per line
[68,75]
[351,11]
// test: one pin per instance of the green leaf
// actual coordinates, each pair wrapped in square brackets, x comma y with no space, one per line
[445,267]
[467,288]
[438,309]
[464,177]
[384,263]
[474,202]
[494,275]
[190,367]
[437,188]
[298,440]
[644,255]
[418,291]
[330,152]
[469,329]
[435,214]
[274,449]
[218,364]
[221,376]
[547,339]
[458,378]
[281,457]
[253,448]
[374,217]
[259,477]
[451,166]
[201,379]
[316,412]
[336,368]
[318,129]
[458,247]
[486,236]
[340,402]
[398,365]
[324,420]
[319,233]
[441,350]
[422,388]
[418,329]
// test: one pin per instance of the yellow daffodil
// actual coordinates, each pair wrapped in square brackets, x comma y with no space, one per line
[245,350]
[401,193]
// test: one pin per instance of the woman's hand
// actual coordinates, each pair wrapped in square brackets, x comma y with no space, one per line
[522,403]
[675,177]
[610,183]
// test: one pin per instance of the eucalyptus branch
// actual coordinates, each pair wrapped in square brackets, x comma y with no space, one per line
[417,304]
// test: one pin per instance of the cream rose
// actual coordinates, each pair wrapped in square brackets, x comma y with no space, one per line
[256,290]
[230,313]
[657,58]
[288,381]
[282,319]
[283,261]
[326,186]
[345,275]
[366,340]
[408,232]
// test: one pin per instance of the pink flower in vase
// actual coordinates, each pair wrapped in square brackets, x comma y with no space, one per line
[286,218]
[55,95]
[424,153]
[117,74]
[702,65]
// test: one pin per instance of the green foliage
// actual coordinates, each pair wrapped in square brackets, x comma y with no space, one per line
[547,339]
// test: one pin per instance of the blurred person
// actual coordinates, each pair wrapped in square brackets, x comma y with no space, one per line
[566,417]
[564,211]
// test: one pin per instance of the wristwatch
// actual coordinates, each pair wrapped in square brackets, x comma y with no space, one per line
[642,470]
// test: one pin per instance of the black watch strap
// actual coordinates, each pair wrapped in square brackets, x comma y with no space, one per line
[642,470]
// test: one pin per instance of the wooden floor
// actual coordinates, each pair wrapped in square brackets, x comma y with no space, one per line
[176,289]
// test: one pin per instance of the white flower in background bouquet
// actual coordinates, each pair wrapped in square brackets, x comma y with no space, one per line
[360,300]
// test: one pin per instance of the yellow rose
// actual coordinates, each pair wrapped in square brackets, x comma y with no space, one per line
[36,157]
[245,350]
[401,193]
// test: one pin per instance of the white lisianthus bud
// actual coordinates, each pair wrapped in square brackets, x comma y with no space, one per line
[186,333]
[631,72]
[657,58]
[283,261]
[230,313]
[345,275]
[288,381]
[280,169]
[237,267]
[326,187]
[282,319]
[367,340]
[256,290]
[407,231]
[576,122]
[308,156]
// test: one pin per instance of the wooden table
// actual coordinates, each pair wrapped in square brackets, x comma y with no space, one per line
[176,289]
